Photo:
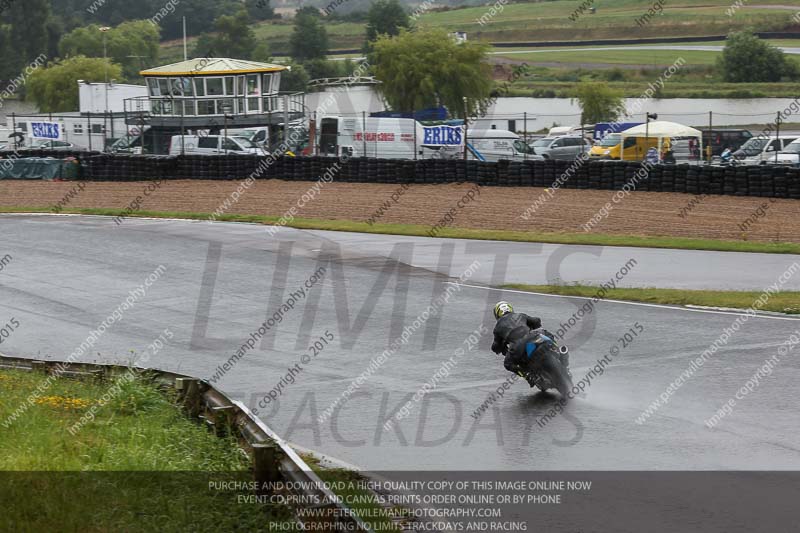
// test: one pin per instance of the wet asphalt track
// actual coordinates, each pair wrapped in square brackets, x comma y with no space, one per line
[69,273]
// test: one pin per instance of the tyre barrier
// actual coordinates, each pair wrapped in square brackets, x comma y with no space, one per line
[765,181]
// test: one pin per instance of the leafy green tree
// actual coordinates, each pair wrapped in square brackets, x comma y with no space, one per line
[27,32]
[133,45]
[200,14]
[323,68]
[295,79]
[55,87]
[259,9]
[599,103]
[309,38]
[233,38]
[386,17]
[746,58]
[7,71]
[428,68]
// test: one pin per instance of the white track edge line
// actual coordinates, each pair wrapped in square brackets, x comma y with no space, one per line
[640,304]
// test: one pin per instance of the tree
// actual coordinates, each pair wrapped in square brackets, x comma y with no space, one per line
[309,38]
[233,38]
[295,79]
[746,58]
[599,103]
[429,68]
[386,17]
[28,32]
[132,45]
[55,88]
[259,9]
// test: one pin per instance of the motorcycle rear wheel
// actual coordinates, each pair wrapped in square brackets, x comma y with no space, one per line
[557,375]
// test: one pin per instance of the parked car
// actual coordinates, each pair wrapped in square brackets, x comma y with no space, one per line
[790,154]
[719,139]
[212,145]
[760,151]
[54,145]
[566,147]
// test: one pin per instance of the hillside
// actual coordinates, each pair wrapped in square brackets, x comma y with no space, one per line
[550,21]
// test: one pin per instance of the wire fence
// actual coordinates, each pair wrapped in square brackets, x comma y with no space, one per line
[395,136]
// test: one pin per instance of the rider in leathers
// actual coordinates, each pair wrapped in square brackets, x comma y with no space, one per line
[510,333]
[511,328]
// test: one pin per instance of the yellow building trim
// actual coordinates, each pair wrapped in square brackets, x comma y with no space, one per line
[193,73]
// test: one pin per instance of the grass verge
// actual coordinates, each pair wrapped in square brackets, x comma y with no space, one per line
[139,465]
[783,302]
[593,239]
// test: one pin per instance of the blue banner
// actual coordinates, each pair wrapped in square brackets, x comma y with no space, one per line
[601,129]
[443,136]
[46,130]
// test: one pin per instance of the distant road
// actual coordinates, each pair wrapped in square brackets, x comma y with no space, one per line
[611,42]
[681,48]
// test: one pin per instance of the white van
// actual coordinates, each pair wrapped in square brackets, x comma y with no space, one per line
[558,131]
[258,135]
[493,145]
[386,138]
[760,151]
[212,145]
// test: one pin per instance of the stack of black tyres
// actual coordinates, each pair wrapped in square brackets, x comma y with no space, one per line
[618,176]
[580,178]
[793,183]
[766,181]
[594,174]
[607,176]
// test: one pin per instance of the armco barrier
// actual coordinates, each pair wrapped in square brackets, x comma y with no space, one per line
[273,459]
[766,180]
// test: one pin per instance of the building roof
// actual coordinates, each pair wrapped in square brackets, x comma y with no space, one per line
[210,66]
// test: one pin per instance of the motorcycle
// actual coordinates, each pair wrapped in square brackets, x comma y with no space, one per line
[548,364]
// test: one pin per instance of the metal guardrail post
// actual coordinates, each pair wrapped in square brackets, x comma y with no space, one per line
[265,463]
[190,392]
[223,419]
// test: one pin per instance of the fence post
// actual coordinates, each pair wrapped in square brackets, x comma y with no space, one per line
[466,128]
[364,132]
[286,121]
[415,139]
[710,149]
[525,132]
[89,128]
